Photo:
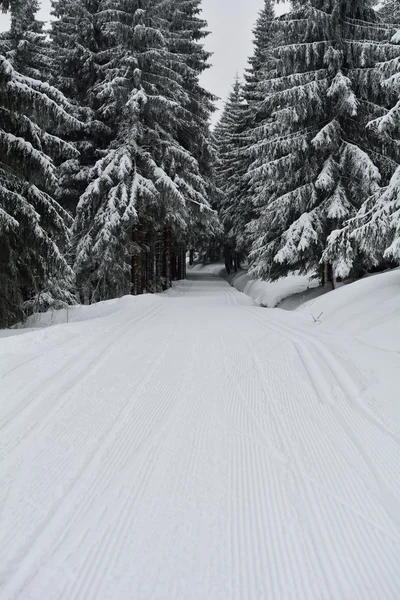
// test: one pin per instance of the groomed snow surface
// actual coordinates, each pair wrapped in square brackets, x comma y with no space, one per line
[265,293]
[195,446]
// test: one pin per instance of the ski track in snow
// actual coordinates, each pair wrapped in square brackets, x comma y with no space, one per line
[196,447]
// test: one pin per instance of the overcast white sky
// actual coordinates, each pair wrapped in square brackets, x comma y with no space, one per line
[230,23]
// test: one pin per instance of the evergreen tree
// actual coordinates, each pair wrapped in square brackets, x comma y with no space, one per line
[148,181]
[76,42]
[24,45]
[5,5]
[33,226]
[390,11]
[262,67]
[238,134]
[184,31]
[320,162]
[374,233]
[229,143]
[260,61]
[77,68]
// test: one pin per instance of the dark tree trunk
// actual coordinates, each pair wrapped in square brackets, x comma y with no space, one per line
[173,267]
[150,266]
[168,257]
[327,275]
[183,263]
[236,262]
[159,262]
[180,266]
[228,260]
[136,275]
[191,257]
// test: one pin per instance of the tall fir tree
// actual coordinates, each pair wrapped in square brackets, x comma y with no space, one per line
[33,227]
[374,233]
[184,31]
[24,44]
[320,162]
[255,118]
[260,60]
[390,11]
[148,181]
[229,143]
[243,123]
[77,69]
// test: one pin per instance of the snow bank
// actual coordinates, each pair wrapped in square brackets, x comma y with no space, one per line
[368,309]
[270,294]
[78,313]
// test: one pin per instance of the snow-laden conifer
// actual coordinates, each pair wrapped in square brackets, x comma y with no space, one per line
[33,226]
[77,68]
[240,129]
[260,61]
[229,144]
[148,179]
[374,232]
[24,44]
[319,162]
[255,118]
[184,31]
[390,11]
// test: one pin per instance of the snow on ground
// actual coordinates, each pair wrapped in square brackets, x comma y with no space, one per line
[368,309]
[264,293]
[193,446]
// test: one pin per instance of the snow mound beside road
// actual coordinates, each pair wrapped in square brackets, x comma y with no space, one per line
[368,309]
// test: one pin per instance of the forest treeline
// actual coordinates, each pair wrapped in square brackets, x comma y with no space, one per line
[110,173]
[106,152]
[309,143]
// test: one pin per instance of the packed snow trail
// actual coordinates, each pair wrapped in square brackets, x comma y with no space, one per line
[193,446]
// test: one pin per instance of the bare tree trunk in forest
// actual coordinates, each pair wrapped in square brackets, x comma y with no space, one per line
[135,262]
[174,267]
[180,266]
[143,262]
[168,256]
[228,259]
[159,261]
[331,277]
[150,266]
[236,261]
[183,263]
[327,276]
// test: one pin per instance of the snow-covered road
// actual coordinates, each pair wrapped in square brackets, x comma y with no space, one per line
[193,446]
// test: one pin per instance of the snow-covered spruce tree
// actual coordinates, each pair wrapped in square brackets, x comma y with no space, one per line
[33,226]
[77,68]
[76,41]
[374,233]
[184,31]
[390,11]
[228,136]
[148,182]
[5,5]
[24,44]
[260,61]
[319,162]
[255,117]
